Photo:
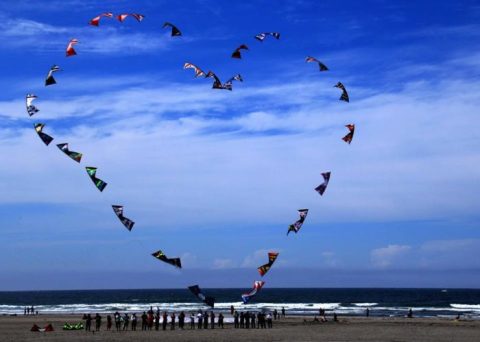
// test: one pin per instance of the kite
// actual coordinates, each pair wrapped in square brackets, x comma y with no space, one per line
[348,138]
[344,96]
[322,66]
[272,256]
[95,21]
[70,50]
[118,209]
[100,184]
[50,80]
[31,109]
[217,84]
[198,71]
[322,187]
[257,286]
[45,137]
[236,53]
[229,84]
[210,301]
[262,36]
[122,17]
[172,261]
[298,224]
[175,30]
[74,155]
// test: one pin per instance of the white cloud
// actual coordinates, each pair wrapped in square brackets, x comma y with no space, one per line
[385,256]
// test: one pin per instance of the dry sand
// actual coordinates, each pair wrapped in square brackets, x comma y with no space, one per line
[290,329]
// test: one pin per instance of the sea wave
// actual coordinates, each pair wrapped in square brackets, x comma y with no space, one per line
[474,307]
[365,304]
[355,309]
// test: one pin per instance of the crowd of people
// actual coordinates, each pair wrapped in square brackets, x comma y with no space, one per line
[155,320]
[30,311]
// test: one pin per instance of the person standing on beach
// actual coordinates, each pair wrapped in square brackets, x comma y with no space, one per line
[98,322]
[181,320]
[109,322]
[157,320]
[235,320]
[283,311]
[368,312]
[247,320]
[118,321]
[212,320]
[275,314]
[200,319]
[220,320]
[164,320]
[232,310]
[410,313]
[88,322]
[252,319]
[205,320]
[126,322]
[192,321]
[269,321]
[172,321]
[242,320]
[144,321]
[134,321]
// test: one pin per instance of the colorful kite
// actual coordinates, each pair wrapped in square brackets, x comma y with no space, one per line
[262,36]
[74,155]
[229,84]
[210,301]
[344,96]
[31,109]
[348,138]
[118,209]
[50,80]
[96,21]
[217,84]
[298,224]
[122,17]
[272,256]
[70,50]
[322,66]
[322,187]
[45,137]
[172,261]
[257,286]
[175,30]
[198,71]
[236,53]
[100,184]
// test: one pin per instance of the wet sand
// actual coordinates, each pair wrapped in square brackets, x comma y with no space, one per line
[289,329]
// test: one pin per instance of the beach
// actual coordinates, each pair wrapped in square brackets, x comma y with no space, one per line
[17,328]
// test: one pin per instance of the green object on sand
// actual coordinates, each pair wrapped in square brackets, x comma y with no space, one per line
[68,326]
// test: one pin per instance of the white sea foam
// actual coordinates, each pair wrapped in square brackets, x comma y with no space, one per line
[365,304]
[473,307]
[290,308]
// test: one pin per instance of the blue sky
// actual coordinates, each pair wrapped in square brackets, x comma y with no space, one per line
[216,177]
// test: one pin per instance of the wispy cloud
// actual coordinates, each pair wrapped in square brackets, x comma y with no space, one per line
[385,256]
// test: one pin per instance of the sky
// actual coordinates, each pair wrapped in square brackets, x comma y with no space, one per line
[215,177]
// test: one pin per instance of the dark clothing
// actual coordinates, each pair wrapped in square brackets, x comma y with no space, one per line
[164,322]
[212,320]
[172,323]
[98,322]
[220,320]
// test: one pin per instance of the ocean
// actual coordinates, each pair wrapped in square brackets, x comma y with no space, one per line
[300,301]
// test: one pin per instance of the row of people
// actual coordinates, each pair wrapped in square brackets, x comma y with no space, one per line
[249,320]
